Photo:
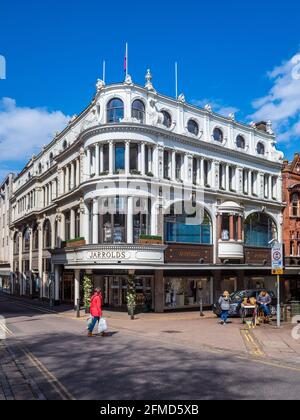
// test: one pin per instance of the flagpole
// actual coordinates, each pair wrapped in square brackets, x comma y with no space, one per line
[127,59]
[104,71]
[176,80]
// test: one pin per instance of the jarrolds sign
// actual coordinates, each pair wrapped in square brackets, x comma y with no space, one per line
[108,255]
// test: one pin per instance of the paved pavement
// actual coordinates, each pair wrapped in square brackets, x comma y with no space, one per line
[172,356]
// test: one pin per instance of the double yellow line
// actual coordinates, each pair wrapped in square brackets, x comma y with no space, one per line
[253,346]
[51,379]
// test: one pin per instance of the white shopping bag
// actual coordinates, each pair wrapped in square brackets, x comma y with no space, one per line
[102,326]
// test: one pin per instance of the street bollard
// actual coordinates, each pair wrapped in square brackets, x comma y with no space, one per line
[78,309]
[201,308]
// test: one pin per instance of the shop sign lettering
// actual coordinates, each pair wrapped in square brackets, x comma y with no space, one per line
[108,255]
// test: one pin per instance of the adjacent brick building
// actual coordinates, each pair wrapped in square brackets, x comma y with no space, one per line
[291,227]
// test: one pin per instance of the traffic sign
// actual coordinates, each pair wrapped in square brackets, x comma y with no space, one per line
[277,257]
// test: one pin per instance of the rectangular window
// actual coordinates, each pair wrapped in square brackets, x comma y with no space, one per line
[119,158]
[178,167]
[106,158]
[134,157]
[195,171]
[166,165]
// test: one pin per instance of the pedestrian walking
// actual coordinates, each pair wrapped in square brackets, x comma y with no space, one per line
[95,310]
[224,303]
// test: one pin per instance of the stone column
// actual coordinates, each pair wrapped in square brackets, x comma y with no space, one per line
[30,248]
[97,157]
[72,176]
[154,217]
[231,227]
[202,172]
[57,274]
[111,158]
[159,292]
[270,187]
[150,159]
[155,168]
[63,227]
[72,224]
[77,172]
[88,162]
[173,165]
[41,246]
[130,220]
[67,179]
[20,264]
[101,160]
[95,221]
[86,223]
[127,157]
[249,182]
[227,183]
[76,288]
[142,160]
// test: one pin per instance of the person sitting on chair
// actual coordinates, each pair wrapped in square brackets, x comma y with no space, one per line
[264,300]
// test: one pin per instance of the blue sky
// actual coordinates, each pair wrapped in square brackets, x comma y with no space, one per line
[230,54]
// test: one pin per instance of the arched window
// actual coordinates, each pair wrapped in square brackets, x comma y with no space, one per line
[186,229]
[260,148]
[47,234]
[193,127]
[295,205]
[260,229]
[218,135]
[167,122]
[115,111]
[138,111]
[16,243]
[26,240]
[240,142]
[35,238]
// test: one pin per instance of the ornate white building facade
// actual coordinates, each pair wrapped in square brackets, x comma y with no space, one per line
[141,184]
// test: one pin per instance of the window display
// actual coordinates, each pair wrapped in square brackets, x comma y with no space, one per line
[186,292]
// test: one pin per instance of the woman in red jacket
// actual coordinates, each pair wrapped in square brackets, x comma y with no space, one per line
[96,310]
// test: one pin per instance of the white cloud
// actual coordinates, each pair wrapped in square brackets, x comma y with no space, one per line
[24,130]
[282,103]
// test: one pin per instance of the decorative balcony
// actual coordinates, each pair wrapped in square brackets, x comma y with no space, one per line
[231,250]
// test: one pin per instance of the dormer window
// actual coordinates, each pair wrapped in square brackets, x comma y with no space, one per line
[218,135]
[167,122]
[138,111]
[260,148]
[240,142]
[193,127]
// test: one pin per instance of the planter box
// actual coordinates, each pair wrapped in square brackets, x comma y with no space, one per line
[75,244]
[150,242]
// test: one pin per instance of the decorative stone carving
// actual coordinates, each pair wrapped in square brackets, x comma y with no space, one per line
[181,98]
[232,116]
[208,108]
[100,85]
[270,127]
[149,84]
[128,80]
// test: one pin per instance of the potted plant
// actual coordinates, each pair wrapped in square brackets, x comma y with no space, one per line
[87,293]
[131,296]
